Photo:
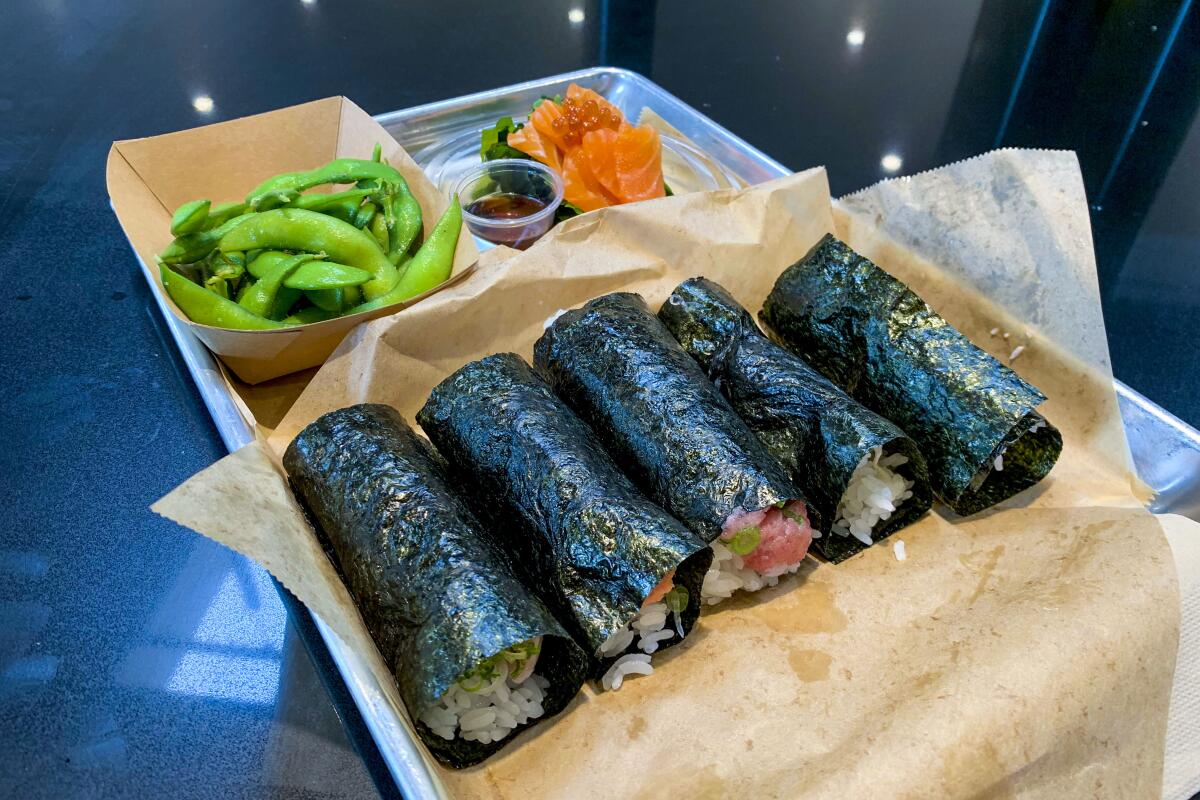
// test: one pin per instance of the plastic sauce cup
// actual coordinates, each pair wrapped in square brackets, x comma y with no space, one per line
[510,201]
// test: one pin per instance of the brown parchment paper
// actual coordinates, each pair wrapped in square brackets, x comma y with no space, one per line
[1023,652]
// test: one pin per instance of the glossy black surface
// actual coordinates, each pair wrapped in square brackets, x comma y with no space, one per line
[137,659]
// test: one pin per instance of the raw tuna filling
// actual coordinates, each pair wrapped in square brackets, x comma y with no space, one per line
[646,631]
[875,491]
[756,548]
[493,699]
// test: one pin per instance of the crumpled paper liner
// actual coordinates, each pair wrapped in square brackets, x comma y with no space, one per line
[1023,652]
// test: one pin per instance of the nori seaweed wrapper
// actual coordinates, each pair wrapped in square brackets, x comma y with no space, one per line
[435,590]
[660,417]
[594,543]
[871,335]
[814,429]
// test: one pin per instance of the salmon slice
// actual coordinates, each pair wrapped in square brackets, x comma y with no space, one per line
[599,148]
[542,119]
[580,186]
[638,156]
[530,141]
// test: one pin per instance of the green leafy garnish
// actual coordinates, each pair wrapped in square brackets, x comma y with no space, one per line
[566,211]
[556,99]
[667,190]
[493,142]
[745,540]
[677,599]
[794,517]
[488,670]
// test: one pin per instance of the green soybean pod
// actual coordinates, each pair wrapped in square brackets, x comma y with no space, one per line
[429,267]
[190,217]
[300,230]
[207,308]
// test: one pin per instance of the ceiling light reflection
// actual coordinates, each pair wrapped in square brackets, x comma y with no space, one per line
[891,162]
[855,37]
[202,103]
[576,16]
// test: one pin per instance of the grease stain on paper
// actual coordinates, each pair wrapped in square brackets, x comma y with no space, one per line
[810,666]
[636,726]
[984,570]
[811,610]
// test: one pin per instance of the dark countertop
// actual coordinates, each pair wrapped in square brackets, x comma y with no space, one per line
[138,659]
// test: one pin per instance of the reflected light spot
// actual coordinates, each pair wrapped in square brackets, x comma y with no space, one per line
[576,16]
[309,2]
[855,37]
[891,162]
[31,669]
[245,612]
[202,103]
[227,677]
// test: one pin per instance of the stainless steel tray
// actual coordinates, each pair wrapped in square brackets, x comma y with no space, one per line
[1165,450]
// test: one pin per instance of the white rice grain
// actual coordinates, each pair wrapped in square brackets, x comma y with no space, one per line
[898,549]
[647,631]
[490,713]
[629,664]
[874,493]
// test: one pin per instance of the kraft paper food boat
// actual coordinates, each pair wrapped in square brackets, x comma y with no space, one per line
[149,178]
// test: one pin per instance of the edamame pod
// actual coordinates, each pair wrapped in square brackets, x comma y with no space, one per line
[320,202]
[267,260]
[407,225]
[223,213]
[282,189]
[195,246]
[326,275]
[202,306]
[284,302]
[308,315]
[190,217]
[379,230]
[298,229]
[429,267]
[260,297]
[333,300]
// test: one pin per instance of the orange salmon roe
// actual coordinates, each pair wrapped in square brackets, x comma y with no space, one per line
[579,118]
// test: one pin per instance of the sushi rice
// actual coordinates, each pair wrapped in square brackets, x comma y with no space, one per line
[646,632]
[874,493]
[756,549]
[492,700]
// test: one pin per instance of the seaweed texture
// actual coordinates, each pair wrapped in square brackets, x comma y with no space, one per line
[593,544]
[436,591]
[660,417]
[871,335]
[814,429]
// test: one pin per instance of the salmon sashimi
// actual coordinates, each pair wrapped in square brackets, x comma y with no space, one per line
[599,148]
[532,142]
[580,187]
[603,160]
[638,153]
[543,119]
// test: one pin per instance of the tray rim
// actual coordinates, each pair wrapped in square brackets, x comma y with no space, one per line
[398,749]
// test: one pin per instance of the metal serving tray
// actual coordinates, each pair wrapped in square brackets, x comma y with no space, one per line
[1166,450]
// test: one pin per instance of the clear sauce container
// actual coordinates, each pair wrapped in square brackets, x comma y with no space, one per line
[510,201]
